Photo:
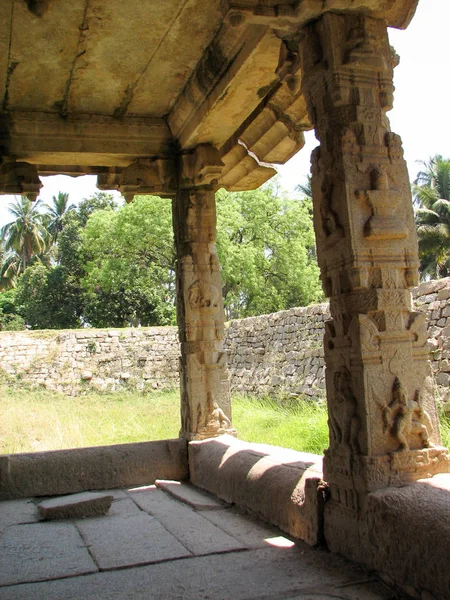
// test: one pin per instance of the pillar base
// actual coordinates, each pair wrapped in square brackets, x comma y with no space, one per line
[207,434]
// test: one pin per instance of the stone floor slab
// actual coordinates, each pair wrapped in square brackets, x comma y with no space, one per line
[41,551]
[138,539]
[124,508]
[195,532]
[268,574]
[250,532]
[190,495]
[75,506]
[14,512]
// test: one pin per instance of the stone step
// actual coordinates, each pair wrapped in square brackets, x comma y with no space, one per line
[188,494]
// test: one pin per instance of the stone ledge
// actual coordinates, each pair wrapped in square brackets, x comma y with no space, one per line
[283,487]
[403,533]
[103,467]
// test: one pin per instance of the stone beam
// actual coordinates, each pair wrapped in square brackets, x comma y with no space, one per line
[82,140]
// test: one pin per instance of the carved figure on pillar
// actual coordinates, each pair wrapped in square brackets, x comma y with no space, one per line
[205,395]
[367,253]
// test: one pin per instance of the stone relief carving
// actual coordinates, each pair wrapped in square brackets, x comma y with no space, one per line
[384,223]
[418,328]
[404,418]
[204,297]
[215,420]
[362,46]
[343,411]
[148,176]
[331,226]
[369,335]
[203,166]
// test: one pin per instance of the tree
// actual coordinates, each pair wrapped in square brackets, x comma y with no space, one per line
[25,239]
[431,191]
[130,265]
[305,189]
[266,249]
[46,299]
[56,212]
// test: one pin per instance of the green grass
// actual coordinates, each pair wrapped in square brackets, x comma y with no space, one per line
[444,421]
[298,424]
[41,420]
[37,420]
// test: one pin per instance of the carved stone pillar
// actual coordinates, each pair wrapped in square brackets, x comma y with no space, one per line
[205,394]
[382,416]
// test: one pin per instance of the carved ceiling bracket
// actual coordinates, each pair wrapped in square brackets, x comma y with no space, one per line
[19,178]
[143,176]
[201,167]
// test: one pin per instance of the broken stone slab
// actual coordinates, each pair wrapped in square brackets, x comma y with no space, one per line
[75,506]
[189,495]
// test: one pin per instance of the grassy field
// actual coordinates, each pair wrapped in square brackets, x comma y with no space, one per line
[36,420]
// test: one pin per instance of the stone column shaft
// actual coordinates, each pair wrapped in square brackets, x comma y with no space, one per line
[205,395]
[382,416]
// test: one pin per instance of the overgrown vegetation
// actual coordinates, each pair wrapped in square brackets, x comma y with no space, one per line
[37,420]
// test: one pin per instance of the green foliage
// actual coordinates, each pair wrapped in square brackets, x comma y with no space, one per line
[130,265]
[25,240]
[10,320]
[46,298]
[431,191]
[54,218]
[114,266]
[266,248]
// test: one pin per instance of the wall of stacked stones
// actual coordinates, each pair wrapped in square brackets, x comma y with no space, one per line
[279,353]
[105,360]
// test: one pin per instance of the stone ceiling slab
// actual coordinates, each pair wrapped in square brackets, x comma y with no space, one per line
[219,72]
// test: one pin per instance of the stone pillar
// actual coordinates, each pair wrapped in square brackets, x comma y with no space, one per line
[382,415]
[205,392]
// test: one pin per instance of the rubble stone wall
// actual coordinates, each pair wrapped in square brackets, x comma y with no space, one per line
[269,354]
[73,361]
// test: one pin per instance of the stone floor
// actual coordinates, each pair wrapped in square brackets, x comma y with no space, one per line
[168,542]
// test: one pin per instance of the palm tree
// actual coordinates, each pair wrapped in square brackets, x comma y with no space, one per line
[305,189]
[24,239]
[431,191]
[55,213]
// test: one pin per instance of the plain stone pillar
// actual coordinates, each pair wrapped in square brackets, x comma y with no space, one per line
[205,394]
[382,415]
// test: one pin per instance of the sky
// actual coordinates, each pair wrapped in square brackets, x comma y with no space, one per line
[421,101]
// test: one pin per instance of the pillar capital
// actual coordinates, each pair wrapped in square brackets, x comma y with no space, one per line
[200,167]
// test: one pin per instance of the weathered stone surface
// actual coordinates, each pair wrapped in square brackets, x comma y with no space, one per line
[136,540]
[103,467]
[14,512]
[189,495]
[42,551]
[196,533]
[257,363]
[401,531]
[281,486]
[297,572]
[75,506]
[204,379]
